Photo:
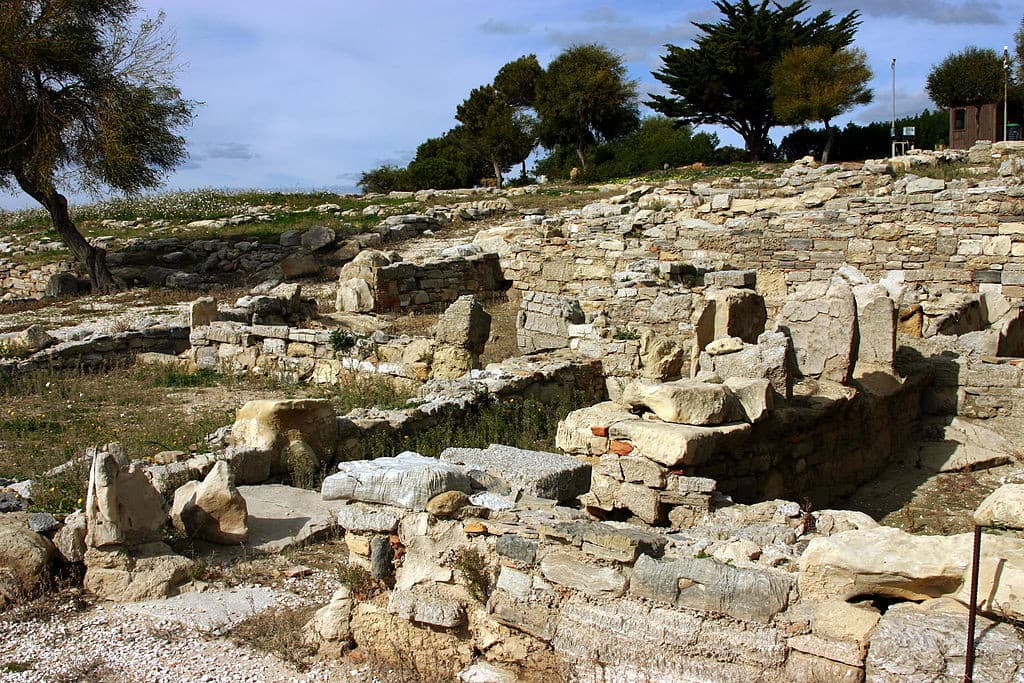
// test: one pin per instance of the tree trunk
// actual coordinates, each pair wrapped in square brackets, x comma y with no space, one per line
[582,158]
[497,172]
[93,258]
[830,135]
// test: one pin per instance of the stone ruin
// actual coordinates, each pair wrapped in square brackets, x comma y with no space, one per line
[687,529]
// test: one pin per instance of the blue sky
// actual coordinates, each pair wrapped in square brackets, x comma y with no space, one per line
[310,93]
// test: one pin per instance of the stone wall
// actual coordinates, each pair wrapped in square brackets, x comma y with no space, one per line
[103,350]
[801,226]
[22,281]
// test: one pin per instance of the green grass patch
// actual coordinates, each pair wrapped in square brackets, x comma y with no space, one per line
[178,379]
[527,423]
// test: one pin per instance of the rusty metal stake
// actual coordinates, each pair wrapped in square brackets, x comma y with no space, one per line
[972,613]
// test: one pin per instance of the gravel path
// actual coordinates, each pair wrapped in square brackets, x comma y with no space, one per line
[110,645]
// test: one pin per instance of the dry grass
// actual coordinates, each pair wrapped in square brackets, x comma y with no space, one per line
[51,417]
[279,631]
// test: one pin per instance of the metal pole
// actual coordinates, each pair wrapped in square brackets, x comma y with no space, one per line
[892,130]
[972,613]
[1006,88]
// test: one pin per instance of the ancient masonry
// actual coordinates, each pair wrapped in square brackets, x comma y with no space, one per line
[749,352]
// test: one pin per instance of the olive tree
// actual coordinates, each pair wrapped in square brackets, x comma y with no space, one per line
[87,101]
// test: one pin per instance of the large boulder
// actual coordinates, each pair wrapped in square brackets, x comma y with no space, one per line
[122,505]
[133,573]
[264,431]
[821,319]
[24,559]
[408,480]
[212,510]
[464,324]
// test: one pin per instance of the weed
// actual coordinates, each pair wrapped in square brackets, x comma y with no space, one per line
[626,334]
[17,667]
[470,563]
[280,631]
[359,580]
[342,340]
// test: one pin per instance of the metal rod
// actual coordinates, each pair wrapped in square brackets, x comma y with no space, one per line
[972,607]
[1006,87]
[892,130]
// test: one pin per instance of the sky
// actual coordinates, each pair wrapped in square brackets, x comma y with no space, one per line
[308,94]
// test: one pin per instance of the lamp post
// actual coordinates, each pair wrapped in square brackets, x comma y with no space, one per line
[1006,89]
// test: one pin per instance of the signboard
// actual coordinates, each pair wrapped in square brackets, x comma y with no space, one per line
[908,131]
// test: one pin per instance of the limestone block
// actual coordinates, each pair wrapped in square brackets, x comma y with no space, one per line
[883,561]
[737,313]
[330,629]
[768,359]
[843,621]
[121,506]
[1004,507]
[683,401]
[704,584]
[70,538]
[576,434]
[755,396]
[465,324]
[318,237]
[408,480]
[876,325]
[821,319]
[359,517]
[355,296]
[269,426]
[806,668]
[202,311]
[674,444]
[643,502]
[452,362]
[434,607]
[134,573]
[569,570]
[528,473]
[661,357]
[212,510]
[447,504]
[731,278]
[919,643]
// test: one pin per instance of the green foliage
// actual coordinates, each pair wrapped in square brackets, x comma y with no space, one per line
[472,565]
[872,141]
[516,82]
[342,340]
[584,98]
[384,179]
[818,84]
[972,77]
[494,130]
[1018,40]
[726,78]
[657,142]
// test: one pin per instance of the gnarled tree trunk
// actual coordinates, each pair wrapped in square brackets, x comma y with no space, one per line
[93,258]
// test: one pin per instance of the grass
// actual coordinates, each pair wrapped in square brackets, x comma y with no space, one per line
[51,417]
[526,423]
[287,211]
[757,171]
[279,631]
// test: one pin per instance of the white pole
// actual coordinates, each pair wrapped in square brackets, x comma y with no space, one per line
[892,130]
[1006,86]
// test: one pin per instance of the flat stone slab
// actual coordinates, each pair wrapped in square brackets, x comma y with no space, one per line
[408,480]
[529,473]
[209,610]
[282,516]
